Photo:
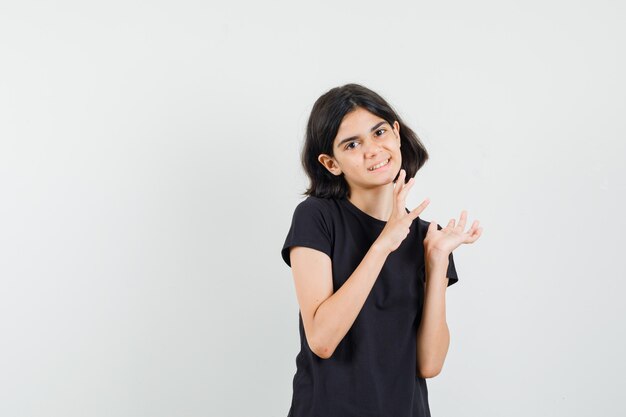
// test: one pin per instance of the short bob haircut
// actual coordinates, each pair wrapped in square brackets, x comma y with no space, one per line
[326,116]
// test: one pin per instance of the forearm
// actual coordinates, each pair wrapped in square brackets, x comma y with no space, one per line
[335,316]
[433,335]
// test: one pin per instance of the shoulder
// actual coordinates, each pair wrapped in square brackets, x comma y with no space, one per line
[315,205]
[312,226]
[316,211]
[426,223]
[312,201]
[423,225]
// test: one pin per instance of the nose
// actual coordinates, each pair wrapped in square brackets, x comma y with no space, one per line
[372,148]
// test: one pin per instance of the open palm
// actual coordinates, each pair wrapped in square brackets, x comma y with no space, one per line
[447,239]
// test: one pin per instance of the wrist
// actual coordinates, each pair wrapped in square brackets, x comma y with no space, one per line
[380,248]
[436,268]
[435,256]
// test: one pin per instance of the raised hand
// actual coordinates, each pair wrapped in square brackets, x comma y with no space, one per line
[397,227]
[444,241]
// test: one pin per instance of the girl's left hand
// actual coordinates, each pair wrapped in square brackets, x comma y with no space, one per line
[447,239]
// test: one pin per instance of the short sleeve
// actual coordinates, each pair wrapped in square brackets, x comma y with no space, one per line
[451,273]
[309,227]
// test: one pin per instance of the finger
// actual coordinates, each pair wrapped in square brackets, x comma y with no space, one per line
[463,219]
[406,188]
[473,228]
[399,183]
[400,204]
[451,223]
[475,235]
[401,178]
[417,210]
[396,192]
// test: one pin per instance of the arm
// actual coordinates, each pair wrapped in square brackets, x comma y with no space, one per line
[433,336]
[327,317]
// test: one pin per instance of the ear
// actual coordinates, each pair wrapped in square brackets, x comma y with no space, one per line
[330,164]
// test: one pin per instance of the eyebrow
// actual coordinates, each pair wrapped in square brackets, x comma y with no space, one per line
[376,126]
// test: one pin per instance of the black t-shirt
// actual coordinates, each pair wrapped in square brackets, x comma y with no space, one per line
[372,372]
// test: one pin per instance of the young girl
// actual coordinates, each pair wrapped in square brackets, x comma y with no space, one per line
[370,275]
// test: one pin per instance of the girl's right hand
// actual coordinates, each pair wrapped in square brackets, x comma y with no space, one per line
[397,227]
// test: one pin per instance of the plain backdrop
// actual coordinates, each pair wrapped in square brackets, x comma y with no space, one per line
[149,168]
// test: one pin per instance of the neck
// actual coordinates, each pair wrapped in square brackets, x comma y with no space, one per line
[377,202]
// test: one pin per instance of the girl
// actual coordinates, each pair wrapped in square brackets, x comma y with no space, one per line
[370,275]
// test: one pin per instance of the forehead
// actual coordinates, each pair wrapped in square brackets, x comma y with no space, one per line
[357,122]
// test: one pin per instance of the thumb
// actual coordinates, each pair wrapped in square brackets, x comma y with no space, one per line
[432,226]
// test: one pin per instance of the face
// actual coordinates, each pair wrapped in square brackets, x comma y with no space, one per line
[366,150]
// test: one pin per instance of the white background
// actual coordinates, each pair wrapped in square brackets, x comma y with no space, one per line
[149,168]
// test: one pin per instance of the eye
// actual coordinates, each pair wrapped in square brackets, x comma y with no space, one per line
[381,130]
[348,147]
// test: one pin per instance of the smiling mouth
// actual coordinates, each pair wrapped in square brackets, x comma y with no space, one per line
[380,165]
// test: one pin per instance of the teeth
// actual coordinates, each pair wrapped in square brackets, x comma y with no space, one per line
[379,165]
